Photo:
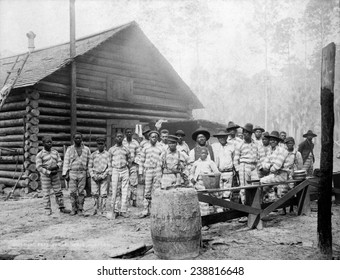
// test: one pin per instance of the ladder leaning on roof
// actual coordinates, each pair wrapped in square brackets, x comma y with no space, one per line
[7,86]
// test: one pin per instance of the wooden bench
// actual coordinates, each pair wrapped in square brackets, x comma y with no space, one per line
[254,207]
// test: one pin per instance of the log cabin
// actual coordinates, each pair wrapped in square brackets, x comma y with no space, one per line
[121,80]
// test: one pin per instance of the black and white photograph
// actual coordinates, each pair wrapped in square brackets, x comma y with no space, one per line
[134,131]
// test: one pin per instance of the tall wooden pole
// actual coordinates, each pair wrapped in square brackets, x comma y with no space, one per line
[73,68]
[326,162]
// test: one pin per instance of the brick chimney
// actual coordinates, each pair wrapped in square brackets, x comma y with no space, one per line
[30,35]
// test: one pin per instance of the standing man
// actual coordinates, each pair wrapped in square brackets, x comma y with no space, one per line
[133,147]
[283,136]
[201,137]
[48,162]
[294,156]
[120,158]
[181,145]
[306,149]
[265,143]
[99,168]
[75,171]
[150,165]
[224,159]
[247,158]
[173,164]
[258,135]
[232,131]
[164,139]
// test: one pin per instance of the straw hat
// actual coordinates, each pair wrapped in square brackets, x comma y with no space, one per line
[257,127]
[200,131]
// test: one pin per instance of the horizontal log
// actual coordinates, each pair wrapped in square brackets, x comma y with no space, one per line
[14,106]
[12,182]
[12,130]
[11,167]
[15,98]
[11,144]
[11,159]
[54,111]
[32,103]
[12,115]
[9,174]
[9,138]
[34,120]
[11,123]
[65,104]
[66,136]
[65,128]
[13,152]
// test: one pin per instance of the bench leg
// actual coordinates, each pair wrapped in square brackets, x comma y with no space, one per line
[304,202]
[253,198]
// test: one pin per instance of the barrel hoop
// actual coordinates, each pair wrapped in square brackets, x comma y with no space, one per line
[177,239]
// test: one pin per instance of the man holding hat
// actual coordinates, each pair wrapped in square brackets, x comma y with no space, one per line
[48,162]
[258,135]
[201,137]
[232,131]
[306,150]
[99,169]
[173,164]
[248,156]
[181,145]
[224,158]
[150,165]
[133,147]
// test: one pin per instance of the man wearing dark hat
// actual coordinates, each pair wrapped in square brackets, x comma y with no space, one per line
[224,158]
[75,170]
[181,145]
[306,150]
[133,147]
[258,135]
[48,162]
[173,164]
[232,131]
[265,142]
[248,156]
[99,168]
[150,165]
[201,137]
[277,164]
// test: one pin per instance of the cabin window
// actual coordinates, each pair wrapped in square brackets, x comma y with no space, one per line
[120,88]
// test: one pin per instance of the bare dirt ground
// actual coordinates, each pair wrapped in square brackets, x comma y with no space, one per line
[26,233]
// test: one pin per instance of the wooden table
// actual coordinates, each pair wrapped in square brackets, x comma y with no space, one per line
[254,207]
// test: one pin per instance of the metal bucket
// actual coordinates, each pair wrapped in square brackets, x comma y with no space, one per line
[211,181]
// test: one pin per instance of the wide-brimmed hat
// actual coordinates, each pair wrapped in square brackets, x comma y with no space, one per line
[309,132]
[172,138]
[200,131]
[257,127]
[221,133]
[153,131]
[275,134]
[146,129]
[232,125]
[265,134]
[288,139]
[248,127]
[180,132]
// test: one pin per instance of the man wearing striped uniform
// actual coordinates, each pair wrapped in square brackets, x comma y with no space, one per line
[120,158]
[181,145]
[232,131]
[99,168]
[173,164]
[75,171]
[247,158]
[48,162]
[150,165]
[277,165]
[133,147]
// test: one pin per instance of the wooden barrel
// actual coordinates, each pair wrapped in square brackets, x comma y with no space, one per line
[175,223]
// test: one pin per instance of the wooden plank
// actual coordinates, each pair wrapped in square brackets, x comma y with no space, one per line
[304,205]
[227,204]
[221,217]
[254,197]
[326,161]
[283,199]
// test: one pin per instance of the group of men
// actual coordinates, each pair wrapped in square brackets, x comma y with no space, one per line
[165,161]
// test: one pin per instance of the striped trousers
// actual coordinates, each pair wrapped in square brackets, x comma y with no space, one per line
[133,181]
[225,182]
[77,189]
[49,183]
[308,165]
[247,172]
[152,182]
[120,189]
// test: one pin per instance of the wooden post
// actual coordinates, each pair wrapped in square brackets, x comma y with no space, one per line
[326,161]
[73,69]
